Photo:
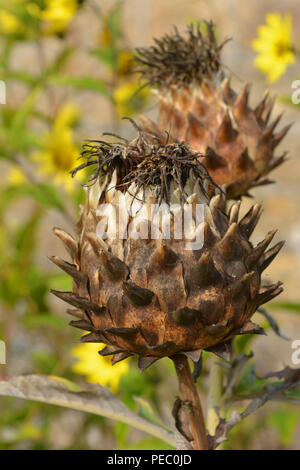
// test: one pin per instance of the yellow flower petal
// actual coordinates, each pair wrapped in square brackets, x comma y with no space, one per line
[98,369]
[58,14]
[129,98]
[9,23]
[125,63]
[274,45]
[16,176]
[58,151]
[68,115]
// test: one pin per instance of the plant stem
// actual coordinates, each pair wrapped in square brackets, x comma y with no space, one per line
[189,393]
[214,396]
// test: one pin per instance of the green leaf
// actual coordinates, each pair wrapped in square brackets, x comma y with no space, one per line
[79,198]
[250,383]
[45,320]
[146,411]
[9,195]
[83,83]
[114,21]
[293,395]
[96,400]
[59,281]
[22,76]
[25,239]
[44,193]
[287,99]
[19,119]
[41,192]
[136,384]
[60,60]
[28,431]
[242,343]
[107,55]
[121,431]
[44,361]
[150,443]
[285,421]
[294,307]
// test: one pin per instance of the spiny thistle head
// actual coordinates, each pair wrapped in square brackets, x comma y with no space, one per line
[151,292]
[198,105]
[177,59]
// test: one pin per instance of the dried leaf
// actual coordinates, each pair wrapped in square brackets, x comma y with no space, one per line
[97,400]
[180,412]
[197,369]
[146,411]
[290,381]
[290,376]
[181,442]
[272,322]
[223,429]
[235,372]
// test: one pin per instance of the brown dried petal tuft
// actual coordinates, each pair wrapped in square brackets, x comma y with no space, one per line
[147,161]
[179,59]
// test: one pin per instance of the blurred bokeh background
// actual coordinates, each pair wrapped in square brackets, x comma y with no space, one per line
[68,70]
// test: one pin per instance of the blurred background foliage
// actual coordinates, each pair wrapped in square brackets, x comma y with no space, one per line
[58,83]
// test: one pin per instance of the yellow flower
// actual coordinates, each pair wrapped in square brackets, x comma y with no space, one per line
[16,176]
[96,368]
[58,153]
[125,63]
[19,19]
[105,37]
[58,14]
[9,23]
[274,45]
[67,117]
[129,98]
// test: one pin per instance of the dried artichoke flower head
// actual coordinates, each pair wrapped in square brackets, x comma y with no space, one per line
[198,105]
[161,295]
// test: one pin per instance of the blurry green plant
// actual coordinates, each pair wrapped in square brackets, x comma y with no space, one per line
[38,148]
[127,94]
[22,19]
